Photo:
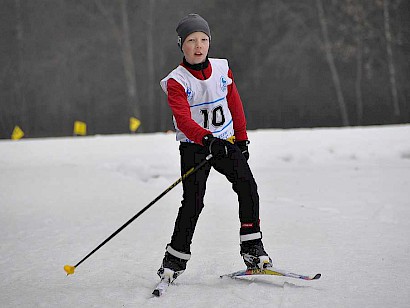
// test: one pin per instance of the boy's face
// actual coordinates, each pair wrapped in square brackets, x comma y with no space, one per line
[196,47]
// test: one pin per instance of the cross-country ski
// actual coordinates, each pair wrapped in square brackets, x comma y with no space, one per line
[270,271]
[164,283]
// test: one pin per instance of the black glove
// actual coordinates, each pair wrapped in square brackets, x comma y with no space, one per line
[216,146]
[243,146]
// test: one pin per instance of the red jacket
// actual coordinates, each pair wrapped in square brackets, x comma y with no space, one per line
[177,100]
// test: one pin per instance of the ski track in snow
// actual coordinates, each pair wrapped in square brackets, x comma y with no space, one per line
[335,201]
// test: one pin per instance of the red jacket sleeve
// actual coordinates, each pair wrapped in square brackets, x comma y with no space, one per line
[177,100]
[236,108]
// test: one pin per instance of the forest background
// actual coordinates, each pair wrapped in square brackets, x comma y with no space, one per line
[313,63]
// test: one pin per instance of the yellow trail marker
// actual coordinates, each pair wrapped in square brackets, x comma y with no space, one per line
[69,269]
[134,124]
[17,133]
[80,128]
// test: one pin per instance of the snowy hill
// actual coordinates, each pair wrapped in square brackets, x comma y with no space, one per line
[334,201]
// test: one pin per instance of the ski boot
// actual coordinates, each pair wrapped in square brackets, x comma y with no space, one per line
[254,255]
[173,264]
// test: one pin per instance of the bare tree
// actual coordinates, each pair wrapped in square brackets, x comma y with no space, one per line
[4,119]
[122,34]
[20,91]
[355,28]
[331,63]
[392,70]
[150,59]
[358,83]
[129,66]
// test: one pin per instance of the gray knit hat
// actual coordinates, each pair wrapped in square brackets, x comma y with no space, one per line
[190,24]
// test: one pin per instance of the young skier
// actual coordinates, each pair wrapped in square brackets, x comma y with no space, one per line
[209,119]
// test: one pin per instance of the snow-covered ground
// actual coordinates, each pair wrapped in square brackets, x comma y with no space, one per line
[334,201]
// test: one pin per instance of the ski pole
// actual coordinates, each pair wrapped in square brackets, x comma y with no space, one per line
[70,269]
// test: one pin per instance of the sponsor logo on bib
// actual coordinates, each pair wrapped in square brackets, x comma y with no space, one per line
[223,84]
[189,94]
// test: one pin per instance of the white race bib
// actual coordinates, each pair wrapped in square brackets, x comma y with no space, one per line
[206,98]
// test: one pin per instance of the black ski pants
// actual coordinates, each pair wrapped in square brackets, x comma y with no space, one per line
[236,170]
